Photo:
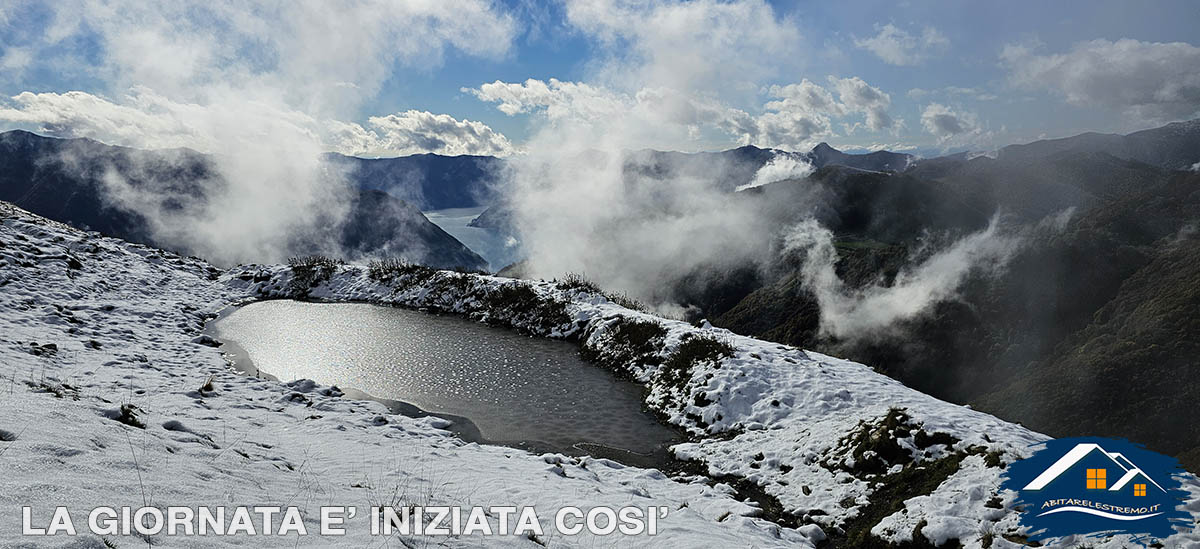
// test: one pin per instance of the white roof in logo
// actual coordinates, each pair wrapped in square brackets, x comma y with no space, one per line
[1078,453]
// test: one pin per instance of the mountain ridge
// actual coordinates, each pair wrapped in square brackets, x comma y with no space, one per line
[64,179]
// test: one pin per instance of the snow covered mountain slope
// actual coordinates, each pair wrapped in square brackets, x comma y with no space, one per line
[104,400]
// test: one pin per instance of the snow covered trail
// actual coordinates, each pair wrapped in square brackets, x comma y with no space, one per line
[97,334]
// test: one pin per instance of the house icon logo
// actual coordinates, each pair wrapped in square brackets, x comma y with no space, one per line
[1098,487]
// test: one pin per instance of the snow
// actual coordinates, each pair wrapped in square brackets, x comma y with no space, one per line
[126,323]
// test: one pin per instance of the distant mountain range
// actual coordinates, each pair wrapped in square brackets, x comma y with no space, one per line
[881,161]
[428,181]
[727,170]
[733,168]
[1173,147]
[63,179]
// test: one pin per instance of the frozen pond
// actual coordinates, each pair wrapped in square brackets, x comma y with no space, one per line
[516,390]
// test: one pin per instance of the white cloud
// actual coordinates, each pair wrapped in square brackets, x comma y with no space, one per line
[805,96]
[858,96]
[896,146]
[708,44]
[952,126]
[779,168]
[673,75]
[896,46]
[80,114]
[847,312]
[413,132]
[305,51]
[16,59]
[557,99]
[144,119]
[789,130]
[795,117]
[974,93]
[942,121]
[1148,81]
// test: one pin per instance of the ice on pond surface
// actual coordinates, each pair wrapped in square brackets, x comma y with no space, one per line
[512,387]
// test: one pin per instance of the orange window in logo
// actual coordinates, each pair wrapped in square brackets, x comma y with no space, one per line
[1097,479]
[1139,489]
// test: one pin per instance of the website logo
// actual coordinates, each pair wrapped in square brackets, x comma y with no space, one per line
[1098,487]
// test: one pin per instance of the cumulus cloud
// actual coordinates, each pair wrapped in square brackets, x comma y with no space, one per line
[315,55]
[801,114]
[788,129]
[557,99]
[414,132]
[805,96]
[897,46]
[674,74]
[1148,81]
[952,126]
[858,96]
[144,119]
[709,44]
[795,117]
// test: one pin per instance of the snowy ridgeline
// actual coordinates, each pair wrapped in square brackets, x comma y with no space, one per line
[111,397]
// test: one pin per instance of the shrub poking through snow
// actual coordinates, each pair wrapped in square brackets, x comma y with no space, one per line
[128,414]
[316,262]
[890,494]
[677,370]
[453,286]
[901,460]
[48,349]
[309,271]
[59,390]
[577,282]
[518,304]
[626,342]
[624,300]
[873,448]
[389,269]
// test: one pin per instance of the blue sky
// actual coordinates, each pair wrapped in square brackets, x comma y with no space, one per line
[930,76]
